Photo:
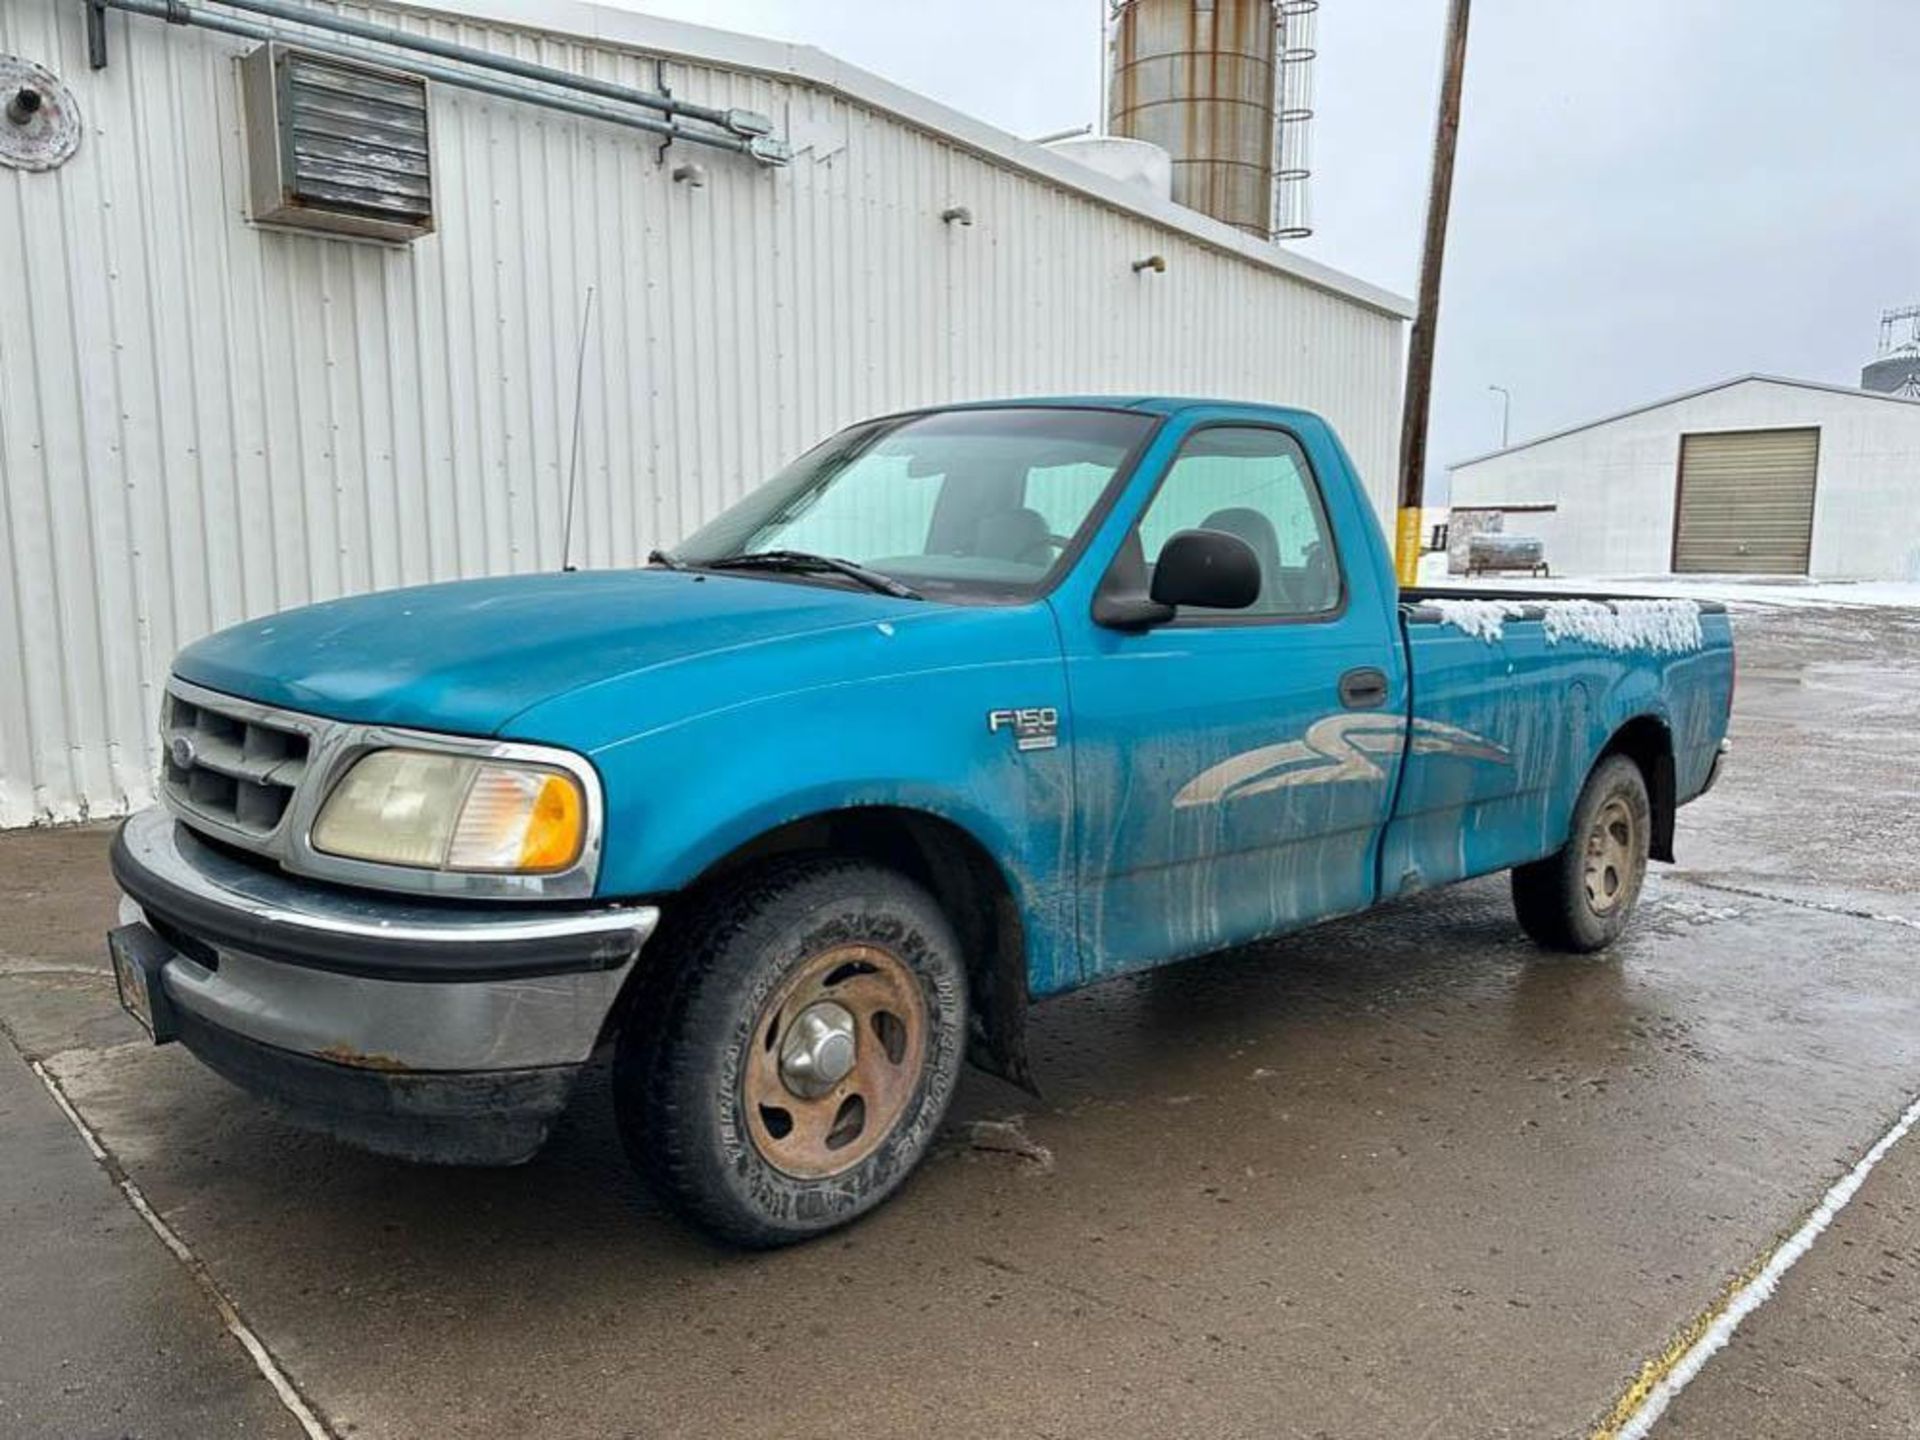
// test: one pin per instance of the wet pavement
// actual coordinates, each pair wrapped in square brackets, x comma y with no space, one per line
[102,1331]
[1401,1175]
[1837,1352]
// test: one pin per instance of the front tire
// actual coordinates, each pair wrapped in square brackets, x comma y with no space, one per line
[795,1058]
[1580,898]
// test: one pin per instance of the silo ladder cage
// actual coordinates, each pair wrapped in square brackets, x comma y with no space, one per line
[1293,117]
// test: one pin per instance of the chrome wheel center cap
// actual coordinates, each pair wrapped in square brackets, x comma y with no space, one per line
[819,1050]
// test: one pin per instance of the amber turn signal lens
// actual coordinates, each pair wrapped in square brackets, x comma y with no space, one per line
[517,818]
[555,828]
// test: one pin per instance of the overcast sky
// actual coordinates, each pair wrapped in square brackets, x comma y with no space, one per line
[1652,195]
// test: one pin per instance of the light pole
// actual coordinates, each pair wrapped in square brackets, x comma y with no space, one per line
[1506,411]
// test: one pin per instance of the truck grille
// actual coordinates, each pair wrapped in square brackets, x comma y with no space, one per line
[230,766]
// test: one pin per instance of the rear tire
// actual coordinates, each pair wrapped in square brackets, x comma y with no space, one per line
[794,1058]
[1581,898]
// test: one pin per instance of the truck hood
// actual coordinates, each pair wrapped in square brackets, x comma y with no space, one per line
[467,657]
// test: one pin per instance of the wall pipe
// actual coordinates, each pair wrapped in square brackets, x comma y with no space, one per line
[176,13]
[740,122]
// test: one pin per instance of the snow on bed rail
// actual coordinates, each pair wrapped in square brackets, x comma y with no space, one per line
[1482,619]
[1662,627]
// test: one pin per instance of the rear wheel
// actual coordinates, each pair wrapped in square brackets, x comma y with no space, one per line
[1581,897]
[796,1057]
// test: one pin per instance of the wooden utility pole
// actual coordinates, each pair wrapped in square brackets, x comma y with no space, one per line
[1419,396]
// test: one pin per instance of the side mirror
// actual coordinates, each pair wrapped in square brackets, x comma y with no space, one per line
[1206,567]
[1196,567]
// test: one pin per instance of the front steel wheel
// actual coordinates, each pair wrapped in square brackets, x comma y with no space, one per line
[796,1054]
[1581,897]
[840,1050]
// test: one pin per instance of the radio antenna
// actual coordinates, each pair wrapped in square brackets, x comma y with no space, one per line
[573,457]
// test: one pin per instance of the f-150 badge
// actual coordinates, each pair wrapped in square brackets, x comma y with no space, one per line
[1035,727]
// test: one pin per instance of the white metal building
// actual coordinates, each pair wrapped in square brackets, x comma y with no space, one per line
[203,420]
[1755,475]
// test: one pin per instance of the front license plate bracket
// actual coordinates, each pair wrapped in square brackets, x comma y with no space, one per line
[138,957]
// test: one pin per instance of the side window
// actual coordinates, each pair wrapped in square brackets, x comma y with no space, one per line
[1255,484]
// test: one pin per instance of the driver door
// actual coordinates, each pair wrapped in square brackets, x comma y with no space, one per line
[1233,768]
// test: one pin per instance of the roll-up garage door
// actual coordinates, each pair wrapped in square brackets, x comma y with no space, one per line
[1746,502]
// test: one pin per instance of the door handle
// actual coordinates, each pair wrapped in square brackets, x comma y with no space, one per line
[1363,689]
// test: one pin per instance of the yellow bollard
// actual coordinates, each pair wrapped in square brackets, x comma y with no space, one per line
[1406,548]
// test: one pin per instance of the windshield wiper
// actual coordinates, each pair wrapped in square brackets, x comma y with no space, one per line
[805,562]
[666,561]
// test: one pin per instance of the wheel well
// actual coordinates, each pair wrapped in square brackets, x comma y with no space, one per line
[963,878]
[1649,744]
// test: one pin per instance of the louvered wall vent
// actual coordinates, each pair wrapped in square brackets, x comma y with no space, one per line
[336,146]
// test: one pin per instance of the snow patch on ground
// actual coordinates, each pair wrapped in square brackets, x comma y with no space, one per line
[1664,627]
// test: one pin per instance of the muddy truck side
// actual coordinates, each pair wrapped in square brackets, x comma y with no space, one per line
[966,708]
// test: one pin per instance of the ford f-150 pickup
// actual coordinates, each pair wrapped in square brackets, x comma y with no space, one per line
[966,708]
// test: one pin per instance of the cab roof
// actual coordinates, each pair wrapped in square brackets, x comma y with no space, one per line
[1147,404]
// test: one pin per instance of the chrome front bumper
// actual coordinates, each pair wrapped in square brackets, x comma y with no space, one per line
[431,1029]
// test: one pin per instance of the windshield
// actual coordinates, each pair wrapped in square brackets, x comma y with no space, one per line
[956,503]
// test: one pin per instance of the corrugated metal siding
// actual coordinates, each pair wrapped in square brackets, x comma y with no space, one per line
[201,421]
[1746,502]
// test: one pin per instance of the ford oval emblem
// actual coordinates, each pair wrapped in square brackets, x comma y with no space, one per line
[180,748]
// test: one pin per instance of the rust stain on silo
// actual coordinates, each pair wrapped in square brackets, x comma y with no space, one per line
[1196,77]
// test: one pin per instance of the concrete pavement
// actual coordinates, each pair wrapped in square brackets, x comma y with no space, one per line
[1837,1351]
[102,1332]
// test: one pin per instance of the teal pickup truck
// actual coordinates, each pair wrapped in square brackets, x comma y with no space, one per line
[967,707]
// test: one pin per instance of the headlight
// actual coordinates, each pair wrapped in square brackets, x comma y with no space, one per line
[449,812]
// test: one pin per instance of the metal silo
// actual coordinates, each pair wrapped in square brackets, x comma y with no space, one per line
[1897,370]
[1198,78]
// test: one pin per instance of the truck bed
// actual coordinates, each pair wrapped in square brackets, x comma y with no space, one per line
[1514,693]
